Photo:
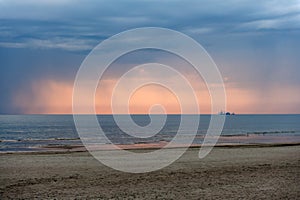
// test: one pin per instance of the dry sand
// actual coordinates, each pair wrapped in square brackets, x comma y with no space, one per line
[226,173]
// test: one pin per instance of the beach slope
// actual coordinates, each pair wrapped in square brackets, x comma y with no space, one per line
[226,173]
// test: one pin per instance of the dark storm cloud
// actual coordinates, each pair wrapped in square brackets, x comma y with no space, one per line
[19,67]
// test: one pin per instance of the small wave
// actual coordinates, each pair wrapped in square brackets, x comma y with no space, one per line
[34,139]
[270,132]
[234,135]
[60,146]
[67,138]
[9,140]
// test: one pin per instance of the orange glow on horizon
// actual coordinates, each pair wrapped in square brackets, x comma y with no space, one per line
[144,98]
[55,97]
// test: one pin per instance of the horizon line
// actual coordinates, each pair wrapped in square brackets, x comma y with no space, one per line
[148,114]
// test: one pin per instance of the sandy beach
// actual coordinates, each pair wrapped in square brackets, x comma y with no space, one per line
[226,173]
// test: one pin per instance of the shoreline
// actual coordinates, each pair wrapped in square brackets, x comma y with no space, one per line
[59,144]
[57,149]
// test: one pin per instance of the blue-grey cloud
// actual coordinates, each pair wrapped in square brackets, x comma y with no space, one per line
[79,25]
[254,43]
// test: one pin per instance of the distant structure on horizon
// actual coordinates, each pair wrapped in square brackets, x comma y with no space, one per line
[226,113]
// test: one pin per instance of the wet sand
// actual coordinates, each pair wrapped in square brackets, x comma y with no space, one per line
[226,173]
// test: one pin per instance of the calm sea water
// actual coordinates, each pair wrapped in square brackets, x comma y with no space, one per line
[30,132]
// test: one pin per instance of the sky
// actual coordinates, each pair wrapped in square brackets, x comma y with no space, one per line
[255,45]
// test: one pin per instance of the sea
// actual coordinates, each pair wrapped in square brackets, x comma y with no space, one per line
[23,133]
